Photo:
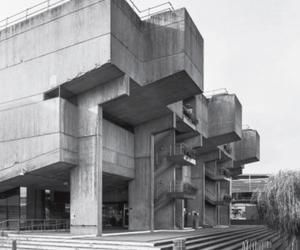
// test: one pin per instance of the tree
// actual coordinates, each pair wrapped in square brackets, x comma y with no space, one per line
[279,204]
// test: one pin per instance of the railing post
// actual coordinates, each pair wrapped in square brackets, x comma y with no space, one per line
[14,245]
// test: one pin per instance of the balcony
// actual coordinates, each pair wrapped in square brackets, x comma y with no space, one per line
[186,121]
[224,119]
[182,155]
[215,177]
[236,171]
[248,149]
[189,115]
[182,190]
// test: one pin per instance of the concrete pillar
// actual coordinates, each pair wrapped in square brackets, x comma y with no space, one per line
[35,203]
[179,214]
[86,178]
[167,211]
[198,204]
[141,189]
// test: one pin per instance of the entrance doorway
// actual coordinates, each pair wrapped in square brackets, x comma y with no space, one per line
[115,203]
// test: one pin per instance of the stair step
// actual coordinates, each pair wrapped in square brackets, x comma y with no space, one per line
[215,236]
[212,244]
[266,237]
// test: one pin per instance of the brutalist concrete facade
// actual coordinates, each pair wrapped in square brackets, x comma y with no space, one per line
[109,108]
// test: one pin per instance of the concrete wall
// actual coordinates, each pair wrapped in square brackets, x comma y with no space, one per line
[202,115]
[224,119]
[118,150]
[248,149]
[39,54]
[143,48]
[36,135]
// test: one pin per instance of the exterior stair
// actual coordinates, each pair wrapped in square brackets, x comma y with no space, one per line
[208,239]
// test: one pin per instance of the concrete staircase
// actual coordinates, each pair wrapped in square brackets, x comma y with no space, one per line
[208,239]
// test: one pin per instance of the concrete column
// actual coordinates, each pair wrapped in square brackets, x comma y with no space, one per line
[35,203]
[198,204]
[141,189]
[86,178]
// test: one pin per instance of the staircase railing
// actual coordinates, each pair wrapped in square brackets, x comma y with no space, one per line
[35,225]
[182,149]
[183,187]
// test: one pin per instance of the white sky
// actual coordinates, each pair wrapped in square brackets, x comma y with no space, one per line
[252,48]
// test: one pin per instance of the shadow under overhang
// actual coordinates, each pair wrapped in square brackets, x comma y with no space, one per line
[150,101]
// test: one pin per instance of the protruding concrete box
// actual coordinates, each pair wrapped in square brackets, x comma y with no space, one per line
[224,119]
[247,150]
[82,44]
[37,136]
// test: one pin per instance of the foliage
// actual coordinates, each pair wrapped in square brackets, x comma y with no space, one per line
[279,203]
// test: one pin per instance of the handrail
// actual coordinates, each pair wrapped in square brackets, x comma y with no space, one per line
[246,126]
[35,224]
[30,12]
[154,10]
[49,4]
[182,149]
[211,93]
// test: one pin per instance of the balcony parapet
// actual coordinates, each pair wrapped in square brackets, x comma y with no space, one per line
[215,177]
[182,190]
[182,155]
[236,171]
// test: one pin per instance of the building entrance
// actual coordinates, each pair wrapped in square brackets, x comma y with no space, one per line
[115,203]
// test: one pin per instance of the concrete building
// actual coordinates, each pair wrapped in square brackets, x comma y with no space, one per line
[103,122]
[244,209]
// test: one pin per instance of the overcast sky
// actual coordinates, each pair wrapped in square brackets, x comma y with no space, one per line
[252,48]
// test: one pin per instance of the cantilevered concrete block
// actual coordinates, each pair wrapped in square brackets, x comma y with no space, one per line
[89,43]
[248,149]
[224,119]
[36,136]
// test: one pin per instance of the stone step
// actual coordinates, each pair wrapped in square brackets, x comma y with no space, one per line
[31,245]
[217,235]
[208,239]
[225,241]
[270,236]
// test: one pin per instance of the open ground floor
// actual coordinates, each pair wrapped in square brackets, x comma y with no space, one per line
[42,207]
